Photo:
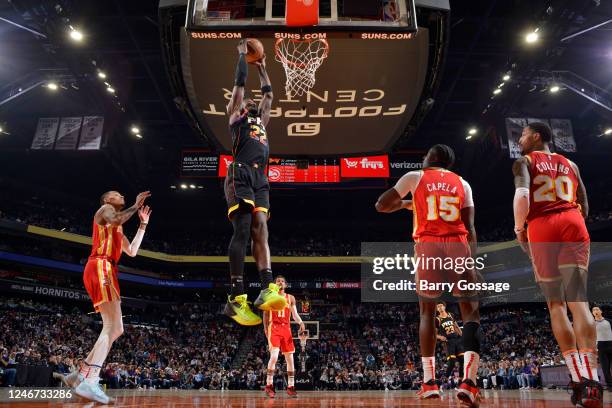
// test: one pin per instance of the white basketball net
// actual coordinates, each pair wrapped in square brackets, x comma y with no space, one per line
[301,59]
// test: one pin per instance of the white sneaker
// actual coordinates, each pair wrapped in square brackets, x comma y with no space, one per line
[73,379]
[92,392]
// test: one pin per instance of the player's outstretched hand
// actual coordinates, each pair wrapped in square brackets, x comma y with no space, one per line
[302,328]
[242,47]
[144,213]
[140,198]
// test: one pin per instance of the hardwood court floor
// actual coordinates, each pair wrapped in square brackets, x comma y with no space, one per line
[312,399]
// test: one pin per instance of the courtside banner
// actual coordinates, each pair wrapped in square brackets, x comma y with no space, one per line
[199,164]
[365,167]
[341,285]
[43,290]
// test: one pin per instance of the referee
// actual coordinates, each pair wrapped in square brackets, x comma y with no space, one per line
[604,343]
[450,333]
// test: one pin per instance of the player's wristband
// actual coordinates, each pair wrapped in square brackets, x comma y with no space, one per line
[266,88]
[518,230]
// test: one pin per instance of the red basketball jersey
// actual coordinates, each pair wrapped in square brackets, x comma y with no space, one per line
[553,184]
[107,241]
[436,204]
[280,317]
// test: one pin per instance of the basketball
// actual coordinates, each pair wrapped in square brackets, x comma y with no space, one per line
[256,50]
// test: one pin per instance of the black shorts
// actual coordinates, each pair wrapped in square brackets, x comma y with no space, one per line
[454,347]
[246,189]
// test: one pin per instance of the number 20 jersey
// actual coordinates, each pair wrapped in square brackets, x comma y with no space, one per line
[553,184]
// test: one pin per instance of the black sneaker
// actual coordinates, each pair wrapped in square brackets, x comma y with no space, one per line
[591,393]
[576,389]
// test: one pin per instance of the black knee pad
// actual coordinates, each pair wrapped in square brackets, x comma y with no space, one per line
[471,337]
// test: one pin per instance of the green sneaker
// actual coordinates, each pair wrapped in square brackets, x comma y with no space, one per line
[239,310]
[269,299]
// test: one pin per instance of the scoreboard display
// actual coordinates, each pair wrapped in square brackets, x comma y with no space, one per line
[307,170]
[304,171]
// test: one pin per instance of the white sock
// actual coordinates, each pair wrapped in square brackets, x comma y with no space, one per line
[471,359]
[589,364]
[290,380]
[572,360]
[429,368]
[270,377]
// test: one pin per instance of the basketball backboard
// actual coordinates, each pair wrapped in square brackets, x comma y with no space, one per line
[364,91]
[349,14]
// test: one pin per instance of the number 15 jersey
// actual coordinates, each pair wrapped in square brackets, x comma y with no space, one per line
[438,196]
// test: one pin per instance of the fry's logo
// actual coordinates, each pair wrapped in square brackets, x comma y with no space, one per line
[365,164]
[372,166]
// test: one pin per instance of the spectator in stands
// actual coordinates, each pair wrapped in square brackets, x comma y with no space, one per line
[8,364]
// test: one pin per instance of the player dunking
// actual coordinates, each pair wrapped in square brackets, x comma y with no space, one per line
[102,284]
[551,199]
[277,329]
[247,192]
[450,333]
[443,210]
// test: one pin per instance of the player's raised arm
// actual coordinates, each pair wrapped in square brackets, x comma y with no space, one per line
[266,91]
[131,249]
[242,71]
[392,199]
[522,179]
[581,194]
[108,215]
[295,314]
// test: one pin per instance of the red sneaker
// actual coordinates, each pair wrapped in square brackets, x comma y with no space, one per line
[591,394]
[291,392]
[469,394]
[429,390]
[270,391]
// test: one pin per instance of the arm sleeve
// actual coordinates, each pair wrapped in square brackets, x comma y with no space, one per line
[521,206]
[408,183]
[135,245]
[241,71]
[469,198]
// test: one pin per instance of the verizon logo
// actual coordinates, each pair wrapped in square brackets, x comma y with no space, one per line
[365,164]
[405,165]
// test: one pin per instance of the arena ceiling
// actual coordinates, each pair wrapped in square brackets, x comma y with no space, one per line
[122,38]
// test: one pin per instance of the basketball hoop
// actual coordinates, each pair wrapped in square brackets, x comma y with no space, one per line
[301,60]
[303,336]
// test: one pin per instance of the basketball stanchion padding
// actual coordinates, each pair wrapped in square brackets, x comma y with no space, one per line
[302,13]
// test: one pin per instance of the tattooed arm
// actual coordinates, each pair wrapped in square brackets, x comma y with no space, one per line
[108,215]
